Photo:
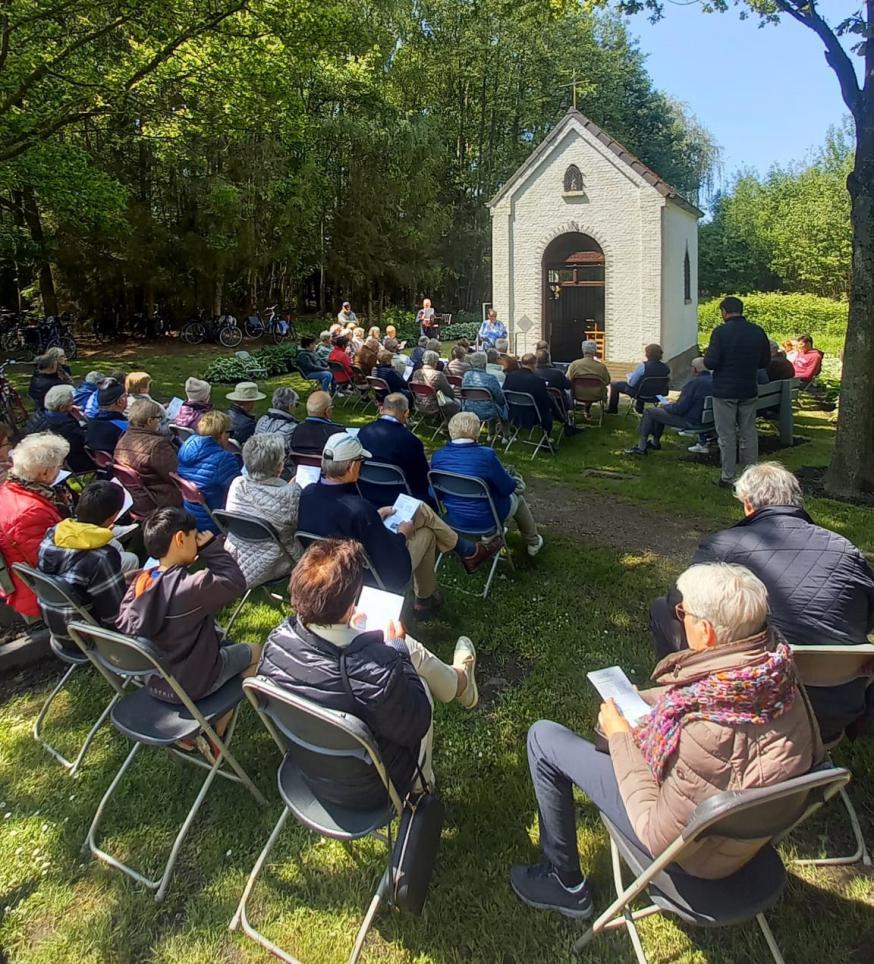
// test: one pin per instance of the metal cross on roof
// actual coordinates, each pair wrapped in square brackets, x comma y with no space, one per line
[573,85]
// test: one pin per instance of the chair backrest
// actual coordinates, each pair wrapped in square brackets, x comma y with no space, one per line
[305,458]
[248,528]
[833,665]
[476,395]
[182,432]
[325,744]
[336,367]
[103,460]
[382,473]
[455,381]
[558,400]
[588,388]
[51,591]
[458,486]
[189,490]
[521,402]
[653,385]
[305,539]
[379,385]
[131,479]
[117,654]
[422,389]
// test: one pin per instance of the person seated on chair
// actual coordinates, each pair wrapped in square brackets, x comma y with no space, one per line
[87,389]
[554,377]
[196,402]
[47,373]
[494,366]
[727,714]
[418,351]
[83,553]
[329,652]
[458,363]
[367,356]
[324,347]
[356,341]
[386,371]
[264,494]
[477,377]
[389,440]
[346,315]
[779,368]
[434,345]
[390,343]
[175,608]
[686,412]
[311,366]
[491,330]
[820,586]
[151,455]
[62,418]
[808,360]
[104,429]
[589,366]
[280,421]
[243,421]
[139,385]
[429,375]
[509,363]
[206,461]
[92,404]
[340,357]
[312,433]
[524,379]
[29,505]
[333,508]
[651,367]
[465,456]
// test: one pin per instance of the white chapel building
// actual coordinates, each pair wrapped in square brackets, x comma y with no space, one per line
[588,241]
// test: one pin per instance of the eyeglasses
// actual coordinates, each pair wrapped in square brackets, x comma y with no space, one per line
[681,612]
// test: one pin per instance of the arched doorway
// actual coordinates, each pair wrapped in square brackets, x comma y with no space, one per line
[573,294]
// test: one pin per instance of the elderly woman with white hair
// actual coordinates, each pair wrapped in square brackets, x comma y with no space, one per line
[262,493]
[87,389]
[280,419]
[477,377]
[29,506]
[727,714]
[62,418]
[429,375]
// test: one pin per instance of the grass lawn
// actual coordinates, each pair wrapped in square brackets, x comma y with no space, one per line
[580,605]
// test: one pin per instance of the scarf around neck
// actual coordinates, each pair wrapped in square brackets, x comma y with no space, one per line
[38,488]
[755,694]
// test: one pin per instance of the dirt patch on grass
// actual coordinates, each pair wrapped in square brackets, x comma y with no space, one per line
[495,677]
[812,479]
[611,521]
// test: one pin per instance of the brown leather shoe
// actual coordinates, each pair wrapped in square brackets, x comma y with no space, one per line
[424,608]
[484,551]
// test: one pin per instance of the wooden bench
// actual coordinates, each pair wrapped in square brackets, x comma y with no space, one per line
[774,404]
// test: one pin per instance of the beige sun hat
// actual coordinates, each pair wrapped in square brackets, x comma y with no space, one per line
[245,392]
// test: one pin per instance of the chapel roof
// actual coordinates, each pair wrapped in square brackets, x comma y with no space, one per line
[612,145]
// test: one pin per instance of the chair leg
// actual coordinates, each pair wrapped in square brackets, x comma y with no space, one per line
[861,851]
[236,613]
[495,561]
[366,924]
[770,939]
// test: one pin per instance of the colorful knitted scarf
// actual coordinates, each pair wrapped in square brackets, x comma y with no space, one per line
[755,694]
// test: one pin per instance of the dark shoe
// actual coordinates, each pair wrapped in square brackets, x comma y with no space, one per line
[484,551]
[634,450]
[425,608]
[538,886]
[723,483]
[653,444]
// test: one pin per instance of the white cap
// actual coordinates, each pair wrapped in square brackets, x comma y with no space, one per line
[342,447]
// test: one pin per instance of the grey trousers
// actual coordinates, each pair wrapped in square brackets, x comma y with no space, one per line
[735,421]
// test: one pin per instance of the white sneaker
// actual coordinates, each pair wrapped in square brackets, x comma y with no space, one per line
[533,550]
[700,449]
[465,658]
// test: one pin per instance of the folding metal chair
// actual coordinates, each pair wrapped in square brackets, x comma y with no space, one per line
[822,667]
[306,539]
[133,482]
[764,814]
[181,432]
[647,392]
[248,528]
[388,481]
[361,389]
[191,493]
[379,387]
[588,390]
[305,458]
[438,419]
[456,382]
[563,413]
[52,591]
[103,460]
[148,721]
[470,487]
[341,390]
[318,745]
[521,404]
[492,424]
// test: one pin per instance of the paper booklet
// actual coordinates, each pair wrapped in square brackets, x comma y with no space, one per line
[173,407]
[405,508]
[128,498]
[307,474]
[379,608]
[61,476]
[408,371]
[612,683]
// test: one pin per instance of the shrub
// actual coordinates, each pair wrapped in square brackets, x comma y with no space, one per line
[276,359]
[404,321]
[786,316]
[465,329]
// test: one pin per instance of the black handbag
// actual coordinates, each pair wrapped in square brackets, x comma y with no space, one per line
[414,853]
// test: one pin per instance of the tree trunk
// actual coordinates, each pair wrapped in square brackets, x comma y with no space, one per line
[851,471]
[217,290]
[34,225]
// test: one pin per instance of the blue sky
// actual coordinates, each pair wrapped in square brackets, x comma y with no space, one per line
[767,94]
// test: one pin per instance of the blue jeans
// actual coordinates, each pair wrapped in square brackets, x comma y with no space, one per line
[325,379]
[558,759]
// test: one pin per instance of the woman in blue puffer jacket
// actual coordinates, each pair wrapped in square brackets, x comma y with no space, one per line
[205,460]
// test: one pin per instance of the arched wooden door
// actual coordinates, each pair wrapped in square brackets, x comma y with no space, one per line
[573,294]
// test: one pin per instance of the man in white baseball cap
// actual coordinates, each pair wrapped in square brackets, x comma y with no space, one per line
[334,509]
[243,421]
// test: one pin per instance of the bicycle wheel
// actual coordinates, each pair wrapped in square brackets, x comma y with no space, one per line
[280,332]
[194,333]
[254,329]
[11,341]
[14,410]
[230,336]
[68,343]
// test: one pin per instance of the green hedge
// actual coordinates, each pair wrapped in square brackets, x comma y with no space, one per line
[464,329]
[277,359]
[786,316]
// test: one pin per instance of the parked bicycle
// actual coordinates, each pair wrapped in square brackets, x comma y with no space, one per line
[12,410]
[28,337]
[223,329]
[272,323]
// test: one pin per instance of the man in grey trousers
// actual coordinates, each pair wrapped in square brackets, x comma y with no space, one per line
[737,350]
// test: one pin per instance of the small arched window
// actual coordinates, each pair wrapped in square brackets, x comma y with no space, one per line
[573,180]
[687,278]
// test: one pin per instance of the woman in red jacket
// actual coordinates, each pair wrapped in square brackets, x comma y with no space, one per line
[29,506]
[338,354]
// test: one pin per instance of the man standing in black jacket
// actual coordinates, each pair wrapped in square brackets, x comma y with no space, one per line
[737,350]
